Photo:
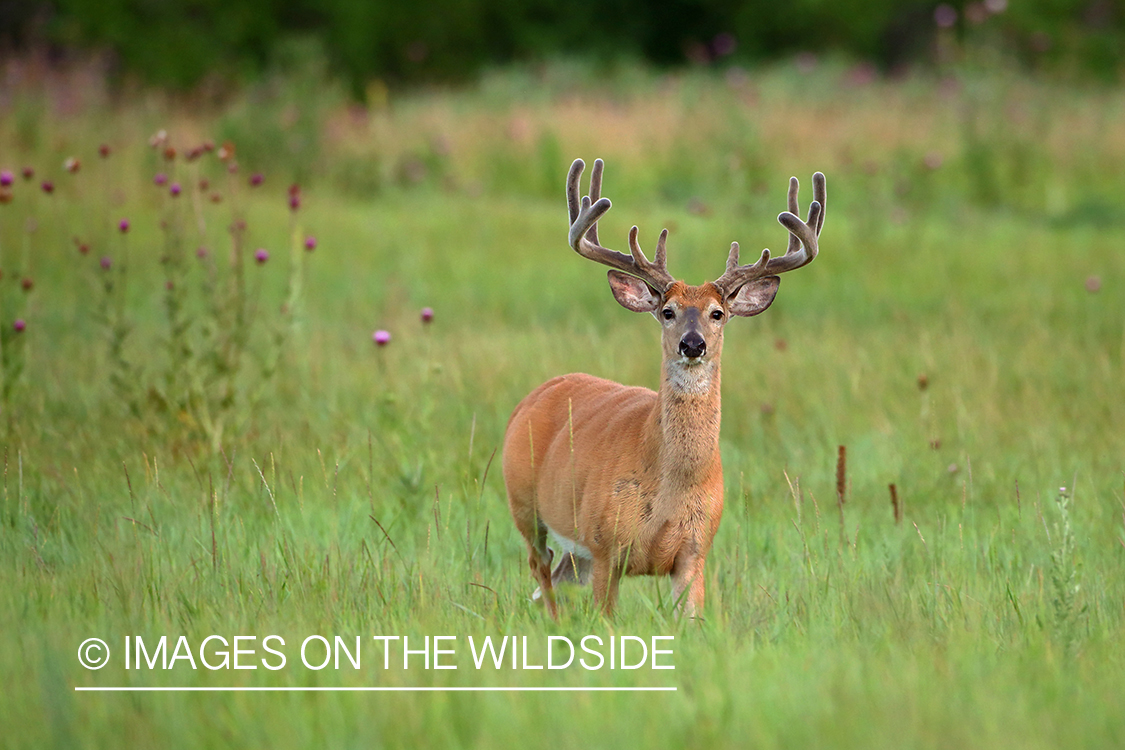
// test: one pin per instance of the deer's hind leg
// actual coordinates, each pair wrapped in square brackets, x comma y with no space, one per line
[539,558]
[539,555]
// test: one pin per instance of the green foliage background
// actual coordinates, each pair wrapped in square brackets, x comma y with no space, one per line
[181,43]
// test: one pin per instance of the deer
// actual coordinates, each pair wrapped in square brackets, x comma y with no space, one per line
[623,479]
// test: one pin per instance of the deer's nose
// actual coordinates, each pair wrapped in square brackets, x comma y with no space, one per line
[692,344]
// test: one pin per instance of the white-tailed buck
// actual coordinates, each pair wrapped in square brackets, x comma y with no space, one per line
[626,480]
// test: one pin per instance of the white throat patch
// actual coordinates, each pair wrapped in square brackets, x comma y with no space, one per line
[686,376]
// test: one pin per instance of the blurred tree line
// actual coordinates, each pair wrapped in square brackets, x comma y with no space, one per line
[181,42]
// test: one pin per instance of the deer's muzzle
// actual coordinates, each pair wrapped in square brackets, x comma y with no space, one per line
[692,345]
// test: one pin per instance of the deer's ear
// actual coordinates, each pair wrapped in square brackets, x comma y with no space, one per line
[753,297]
[632,293]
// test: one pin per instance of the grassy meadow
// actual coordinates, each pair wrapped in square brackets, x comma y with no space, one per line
[201,443]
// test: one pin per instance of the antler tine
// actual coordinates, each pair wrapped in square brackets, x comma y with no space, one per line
[583,236]
[595,195]
[661,258]
[654,272]
[736,275]
[572,177]
[795,209]
[732,260]
[802,246]
[820,195]
[635,248]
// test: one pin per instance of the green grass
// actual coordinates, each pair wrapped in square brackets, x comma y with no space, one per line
[974,622]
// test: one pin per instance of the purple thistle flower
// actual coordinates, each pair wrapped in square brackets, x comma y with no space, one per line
[945,16]
[123,226]
[427,314]
[294,201]
[310,243]
[106,262]
[27,173]
[6,178]
[174,189]
[160,179]
[256,179]
[261,255]
[48,187]
[381,337]
[19,325]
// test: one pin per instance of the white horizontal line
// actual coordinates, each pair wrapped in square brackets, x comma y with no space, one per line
[366,689]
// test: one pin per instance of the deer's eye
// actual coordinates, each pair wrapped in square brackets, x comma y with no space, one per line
[669,313]
[716,314]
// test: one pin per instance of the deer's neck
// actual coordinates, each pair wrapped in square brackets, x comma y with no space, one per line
[687,417]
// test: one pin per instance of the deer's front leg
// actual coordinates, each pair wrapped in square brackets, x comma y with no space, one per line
[605,579]
[688,585]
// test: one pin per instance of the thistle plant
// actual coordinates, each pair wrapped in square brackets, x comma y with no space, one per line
[1064,572]
[218,350]
[240,346]
[12,358]
[16,285]
[111,316]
